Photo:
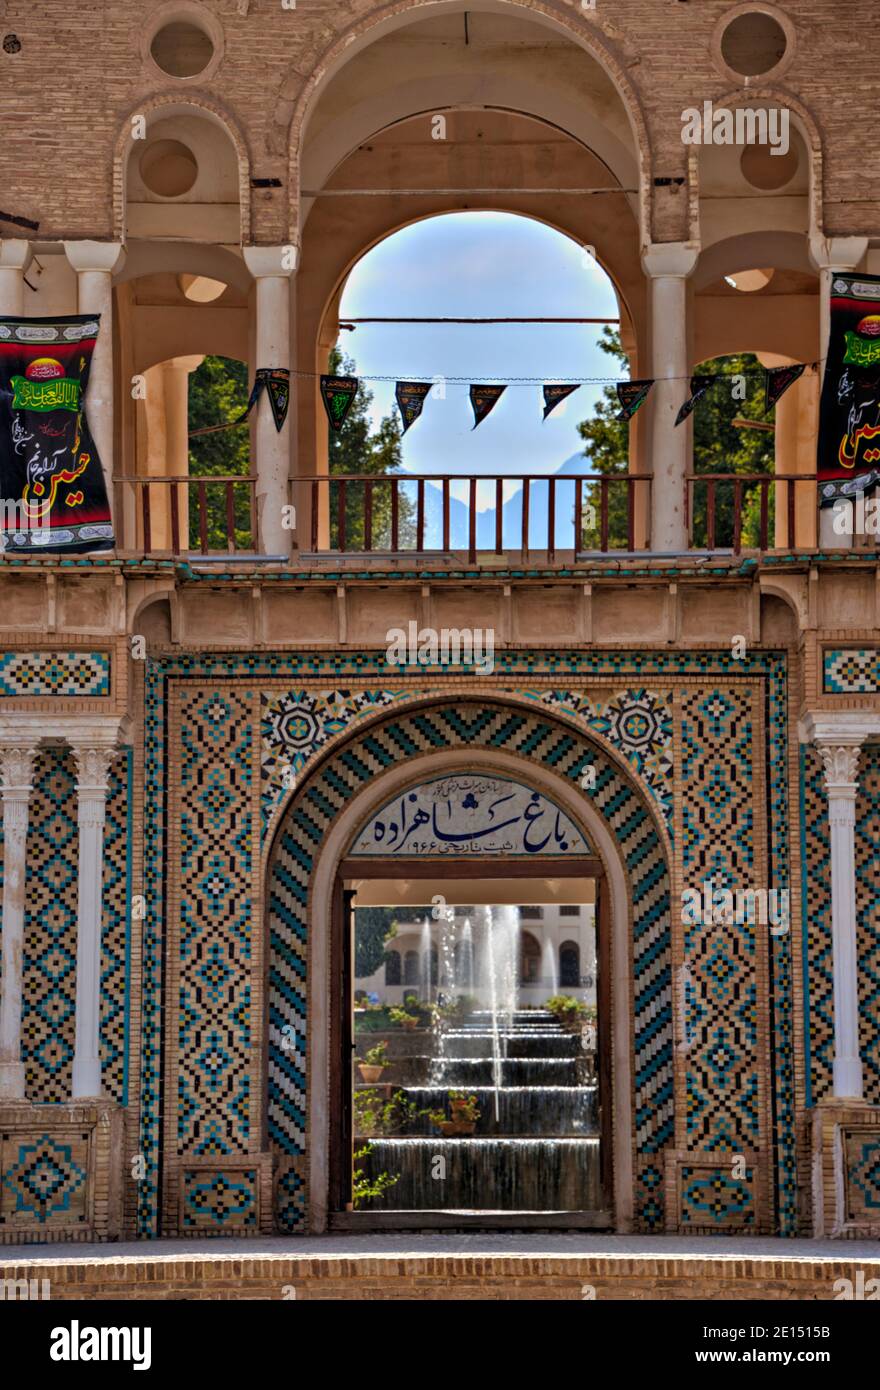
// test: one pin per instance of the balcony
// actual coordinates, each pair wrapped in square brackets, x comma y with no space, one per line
[362,520]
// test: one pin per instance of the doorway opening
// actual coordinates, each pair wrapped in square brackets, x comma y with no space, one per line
[474,1010]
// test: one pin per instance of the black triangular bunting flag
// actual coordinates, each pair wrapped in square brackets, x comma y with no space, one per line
[555,393]
[699,386]
[778,380]
[484,399]
[338,393]
[632,394]
[410,400]
[277,382]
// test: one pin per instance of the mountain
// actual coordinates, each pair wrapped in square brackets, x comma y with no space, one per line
[512,511]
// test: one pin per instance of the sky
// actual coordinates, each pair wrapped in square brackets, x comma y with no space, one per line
[481,263]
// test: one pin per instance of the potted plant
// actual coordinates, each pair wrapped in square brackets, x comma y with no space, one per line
[403,1019]
[374,1063]
[465,1112]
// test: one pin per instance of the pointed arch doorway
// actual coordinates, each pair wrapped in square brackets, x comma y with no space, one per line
[485,924]
[309,994]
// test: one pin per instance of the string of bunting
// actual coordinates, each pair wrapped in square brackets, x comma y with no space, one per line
[338,394]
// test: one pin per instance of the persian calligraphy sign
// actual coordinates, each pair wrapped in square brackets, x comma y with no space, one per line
[52,482]
[467,814]
[849,414]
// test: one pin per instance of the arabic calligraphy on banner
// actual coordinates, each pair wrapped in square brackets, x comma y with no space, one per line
[470,815]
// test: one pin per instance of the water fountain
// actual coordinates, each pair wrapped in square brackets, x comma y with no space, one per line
[536,1145]
[549,971]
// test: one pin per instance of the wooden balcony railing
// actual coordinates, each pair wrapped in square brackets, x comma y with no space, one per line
[208,515]
[358,513]
[734,511]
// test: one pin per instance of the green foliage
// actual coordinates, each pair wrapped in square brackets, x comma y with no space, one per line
[565,1006]
[365,1189]
[218,392]
[356,448]
[402,1018]
[375,1114]
[374,928]
[719,447]
[377,1056]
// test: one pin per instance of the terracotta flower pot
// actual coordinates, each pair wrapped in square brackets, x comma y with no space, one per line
[464,1126]
[370,1074]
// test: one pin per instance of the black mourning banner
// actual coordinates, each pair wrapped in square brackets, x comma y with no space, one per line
[699,386]
[277,383]
[631,395]
[554,394]
[338,393]
[778,380]
[50,473]
[410,400]
[484,400]
[849,411]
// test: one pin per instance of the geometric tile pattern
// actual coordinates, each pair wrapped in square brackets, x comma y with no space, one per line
[116,928]
[818,957]
[638,722]
[221,1200]
[867,846]
[55,673]
[49,960]
[851,671]
[215,946]
[863,1175]
[713,1199]
[339,670]
[405,734]
[725,1052]
[44,1179]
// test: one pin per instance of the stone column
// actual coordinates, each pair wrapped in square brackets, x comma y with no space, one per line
[841,771]
[16,765]
[94,263]
[832,256]
[668,265]
[92,780]
[271,267]
[14,259]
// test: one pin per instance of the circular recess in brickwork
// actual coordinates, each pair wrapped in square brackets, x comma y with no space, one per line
[184,41]
[753,41]
[764,169]
[168,168]
[11,43]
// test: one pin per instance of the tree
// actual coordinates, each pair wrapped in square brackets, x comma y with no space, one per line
[218,392]
[719,447]
[374,928]
[357,449]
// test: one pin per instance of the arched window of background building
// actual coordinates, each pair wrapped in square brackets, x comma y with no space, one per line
[392,968]
[411,968]
[569,965]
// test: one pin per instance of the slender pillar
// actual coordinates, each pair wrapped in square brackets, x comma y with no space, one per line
[833,256]
[668,265]
[16,765]
[271,267]
[94,263]
[92,779]
[14,259]
[841,771]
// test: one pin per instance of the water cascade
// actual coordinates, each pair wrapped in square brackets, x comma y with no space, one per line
[535,1144]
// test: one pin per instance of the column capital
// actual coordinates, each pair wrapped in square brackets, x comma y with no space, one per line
[265,261]
[841,762]
[837,252]
[14,254]
[672,258]
[106,256]
[16,769]
[93,769]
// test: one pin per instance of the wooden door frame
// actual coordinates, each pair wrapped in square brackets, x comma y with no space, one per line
[340,1217]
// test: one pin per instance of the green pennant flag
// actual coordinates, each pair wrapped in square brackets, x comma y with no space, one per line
[338,393]
[631,395]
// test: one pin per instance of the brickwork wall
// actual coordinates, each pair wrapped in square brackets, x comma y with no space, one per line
[67,95]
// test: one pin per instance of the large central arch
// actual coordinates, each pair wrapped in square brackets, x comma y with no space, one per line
[314,833]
